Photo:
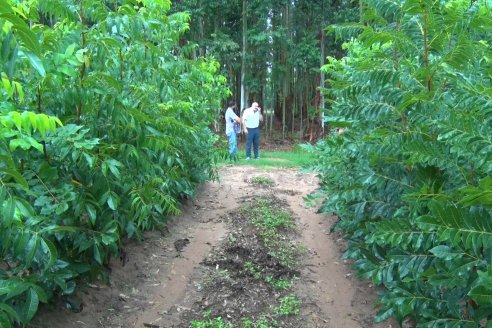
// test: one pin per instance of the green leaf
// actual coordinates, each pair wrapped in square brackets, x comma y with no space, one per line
[3,194]
[89,159]
[32,248]
[16,176]
[40,292]
[8,211]
[469,229]
[97,253]
[113,167]
[5,322]
[108,239]
[50,250]
[19,142]
[10,311]
[58,228]
[482,295]
[15,287]
[7,86]
[28,38]
[446,253]
[91,210]
[36,63]
[113,201]
[30,306]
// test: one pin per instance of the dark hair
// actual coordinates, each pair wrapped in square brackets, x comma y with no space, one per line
[231,103]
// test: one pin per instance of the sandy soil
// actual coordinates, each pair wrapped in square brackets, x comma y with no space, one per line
[158,280]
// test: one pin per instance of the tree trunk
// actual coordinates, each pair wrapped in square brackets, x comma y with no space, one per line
[301,109]
[322,79]
[244,100]
[294,104]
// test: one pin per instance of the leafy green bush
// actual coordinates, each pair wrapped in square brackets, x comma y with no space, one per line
[134,140]
[410,175]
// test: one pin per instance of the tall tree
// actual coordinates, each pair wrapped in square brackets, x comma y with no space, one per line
[244,98]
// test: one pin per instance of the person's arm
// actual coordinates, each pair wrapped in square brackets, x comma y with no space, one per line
[245,129]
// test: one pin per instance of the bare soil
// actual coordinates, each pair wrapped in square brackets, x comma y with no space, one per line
[173,277]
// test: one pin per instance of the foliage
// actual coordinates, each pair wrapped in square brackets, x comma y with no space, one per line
[134,139]
[410,175]
[289,305]
[253,270]
[279,283]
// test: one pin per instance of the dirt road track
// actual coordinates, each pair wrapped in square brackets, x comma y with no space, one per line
[157,282]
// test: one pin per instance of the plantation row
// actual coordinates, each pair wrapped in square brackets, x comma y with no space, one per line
[103,130]
[410,177]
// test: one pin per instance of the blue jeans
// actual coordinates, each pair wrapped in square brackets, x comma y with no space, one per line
[232,138]
[253,138]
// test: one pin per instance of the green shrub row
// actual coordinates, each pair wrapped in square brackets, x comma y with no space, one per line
[410,176]
[104,117]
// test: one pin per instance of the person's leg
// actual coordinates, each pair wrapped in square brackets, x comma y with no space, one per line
[232,138]
[256,143]
[234,152]
[249,140]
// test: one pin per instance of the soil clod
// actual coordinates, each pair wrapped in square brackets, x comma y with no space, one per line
[181,243]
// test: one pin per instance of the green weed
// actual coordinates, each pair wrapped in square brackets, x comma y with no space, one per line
[267,217]
[272,223]
[261,323]
[279,283]
[282,250]
[262,181]
[289,305]
[253,270]
[210,323]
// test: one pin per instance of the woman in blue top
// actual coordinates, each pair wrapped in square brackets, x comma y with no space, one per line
[231,120]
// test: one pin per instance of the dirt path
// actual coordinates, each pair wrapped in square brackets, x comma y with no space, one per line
[158,280]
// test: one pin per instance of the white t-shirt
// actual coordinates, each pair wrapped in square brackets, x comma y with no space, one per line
[230,117]
[251,118]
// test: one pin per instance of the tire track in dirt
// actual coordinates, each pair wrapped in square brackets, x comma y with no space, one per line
[157,283]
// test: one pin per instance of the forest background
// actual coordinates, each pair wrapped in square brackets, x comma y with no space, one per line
[106,109]
[271,52]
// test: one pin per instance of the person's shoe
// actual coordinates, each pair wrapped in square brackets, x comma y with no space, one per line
[247,158]
[257,158]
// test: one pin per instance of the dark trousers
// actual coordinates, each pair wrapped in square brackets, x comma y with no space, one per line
[253,137]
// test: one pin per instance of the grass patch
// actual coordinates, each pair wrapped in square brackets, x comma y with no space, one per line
[297,157]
